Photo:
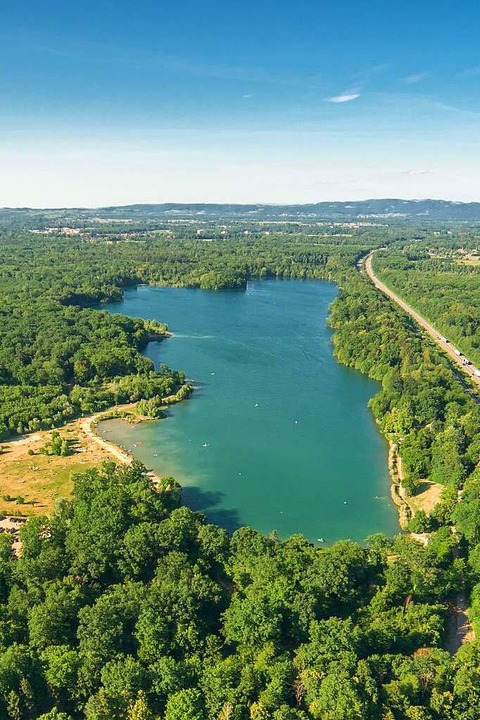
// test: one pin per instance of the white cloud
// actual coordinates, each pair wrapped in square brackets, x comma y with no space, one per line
[409,173]
[346,97]
[415,78]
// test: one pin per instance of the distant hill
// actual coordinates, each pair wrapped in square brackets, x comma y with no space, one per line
[363,209]
[374,210]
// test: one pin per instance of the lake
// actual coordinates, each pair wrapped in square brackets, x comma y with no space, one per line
[277,434]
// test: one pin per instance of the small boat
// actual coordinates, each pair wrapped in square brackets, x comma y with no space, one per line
[320,540]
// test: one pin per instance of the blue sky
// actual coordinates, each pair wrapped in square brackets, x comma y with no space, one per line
[118,102]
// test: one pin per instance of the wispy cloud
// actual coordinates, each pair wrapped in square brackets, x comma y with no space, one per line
[415,173]
[344,97]
[415,78]
[110,53]
[471,71]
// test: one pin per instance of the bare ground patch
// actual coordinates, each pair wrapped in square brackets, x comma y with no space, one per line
[427,498]
[30,482]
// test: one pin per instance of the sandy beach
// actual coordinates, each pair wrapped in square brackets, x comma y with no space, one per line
[31,482]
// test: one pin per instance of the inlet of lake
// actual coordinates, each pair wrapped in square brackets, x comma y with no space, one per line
[277,434]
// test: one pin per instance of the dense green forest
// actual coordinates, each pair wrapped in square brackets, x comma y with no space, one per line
[60,358]
[125,605]
[440,277]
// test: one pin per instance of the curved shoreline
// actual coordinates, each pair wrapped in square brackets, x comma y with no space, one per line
[32,481]
[397,491]
[89,427]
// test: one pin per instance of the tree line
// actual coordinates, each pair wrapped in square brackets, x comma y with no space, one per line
[124,605]
[442,284]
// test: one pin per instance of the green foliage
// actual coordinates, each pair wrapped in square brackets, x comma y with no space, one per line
[421,522]
[56,446]
[152,408]
[421,403]
[433,278]
[124,605]
[59,359]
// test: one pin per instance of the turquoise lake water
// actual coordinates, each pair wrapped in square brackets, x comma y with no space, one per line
[278,434]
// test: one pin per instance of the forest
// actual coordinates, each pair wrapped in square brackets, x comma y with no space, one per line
[440,276]
[126,605]
[59,357]
[421,402]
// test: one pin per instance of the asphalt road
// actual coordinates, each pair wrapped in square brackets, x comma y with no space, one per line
[447,347]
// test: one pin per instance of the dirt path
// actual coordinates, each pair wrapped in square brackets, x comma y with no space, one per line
[396,489]
[459,628]
[434,334]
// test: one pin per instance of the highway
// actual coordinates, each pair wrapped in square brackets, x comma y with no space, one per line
[442,342]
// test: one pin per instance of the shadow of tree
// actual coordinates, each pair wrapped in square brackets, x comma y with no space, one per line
[208,502]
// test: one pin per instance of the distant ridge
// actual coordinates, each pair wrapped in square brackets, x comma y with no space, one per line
[375,209]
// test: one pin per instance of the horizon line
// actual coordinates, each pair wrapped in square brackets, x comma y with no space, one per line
[240,204]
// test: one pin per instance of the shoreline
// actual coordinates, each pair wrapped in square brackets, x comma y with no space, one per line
[32,481]
[90,442]
[407,505]
[397,491]
[89,425]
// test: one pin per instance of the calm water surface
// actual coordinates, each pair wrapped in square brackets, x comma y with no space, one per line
[278,434]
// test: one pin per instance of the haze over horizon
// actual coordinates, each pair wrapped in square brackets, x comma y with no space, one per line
[167,203]
[109,104]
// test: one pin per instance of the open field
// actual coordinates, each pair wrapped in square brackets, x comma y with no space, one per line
[41,479]
[427,498]
[469,260]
